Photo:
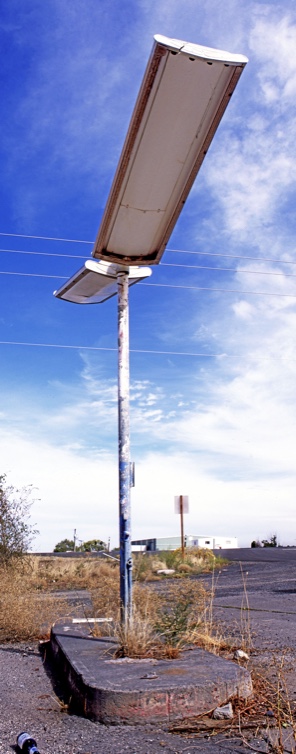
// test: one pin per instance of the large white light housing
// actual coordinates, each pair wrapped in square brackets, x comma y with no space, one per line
[184,93]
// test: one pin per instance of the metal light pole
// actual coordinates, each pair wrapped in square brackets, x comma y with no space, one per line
[124,449]
[94,283]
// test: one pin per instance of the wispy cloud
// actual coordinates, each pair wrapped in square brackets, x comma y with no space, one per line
[273,42]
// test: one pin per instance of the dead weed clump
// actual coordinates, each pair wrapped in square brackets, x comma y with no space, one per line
[137,637]
[165,617]
[181,611]
[162,621]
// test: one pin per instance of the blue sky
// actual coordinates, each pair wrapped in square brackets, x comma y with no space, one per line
[212,333]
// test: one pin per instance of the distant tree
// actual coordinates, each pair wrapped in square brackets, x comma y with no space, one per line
[256,543]
[64,545]
[16,533]
[271,542]
[93,545]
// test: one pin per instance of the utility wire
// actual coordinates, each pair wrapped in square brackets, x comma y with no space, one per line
[229,256]
[33,275]
[227,269]
[103,348]
[221,290]
[162,264]
[165,285]
[44,238]
[44,254]
[132,350]
[174,251]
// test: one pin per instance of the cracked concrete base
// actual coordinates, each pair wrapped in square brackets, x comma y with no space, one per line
[115,691]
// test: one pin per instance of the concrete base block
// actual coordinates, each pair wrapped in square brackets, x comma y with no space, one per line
[115,691]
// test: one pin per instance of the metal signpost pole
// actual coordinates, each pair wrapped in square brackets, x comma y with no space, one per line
[124,448]
[181,507]
[182,526]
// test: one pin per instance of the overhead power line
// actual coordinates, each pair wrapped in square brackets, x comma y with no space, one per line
[104,348]
[171,251]
[230,256]
[227,269]
[162,264]
[221,290]
[164,285]
[44,238]
[149,352]
[45,254]
[33,275]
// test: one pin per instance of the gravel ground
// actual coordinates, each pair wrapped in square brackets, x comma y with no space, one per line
[30,699]
[29,702]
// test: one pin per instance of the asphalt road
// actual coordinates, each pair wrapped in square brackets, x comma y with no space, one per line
[260,554]
[268,591]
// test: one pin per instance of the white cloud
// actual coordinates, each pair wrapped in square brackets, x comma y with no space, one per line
[216,506]
[75,491]
[251,167]
[243,309]
[273,42]
[81,493]
[250,178]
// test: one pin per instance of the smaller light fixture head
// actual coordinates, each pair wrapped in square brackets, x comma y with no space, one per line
[95,282]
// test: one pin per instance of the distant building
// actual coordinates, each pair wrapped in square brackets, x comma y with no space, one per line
[191,540]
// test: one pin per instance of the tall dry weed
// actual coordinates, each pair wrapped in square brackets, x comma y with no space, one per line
[246,633]
[180,611]
[163,620]
[137,638]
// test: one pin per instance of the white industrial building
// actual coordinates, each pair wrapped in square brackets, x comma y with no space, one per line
[191,540]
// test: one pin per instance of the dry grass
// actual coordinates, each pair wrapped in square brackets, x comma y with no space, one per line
[196,561]
[54,573]
[168,614]
[137,638]
[162,621]
[263,722]
[25,614]
[105,593]
[164,618]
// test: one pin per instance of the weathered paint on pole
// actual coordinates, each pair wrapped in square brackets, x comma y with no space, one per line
[124,448]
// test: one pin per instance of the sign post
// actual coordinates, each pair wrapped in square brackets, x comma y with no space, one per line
[181,507]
